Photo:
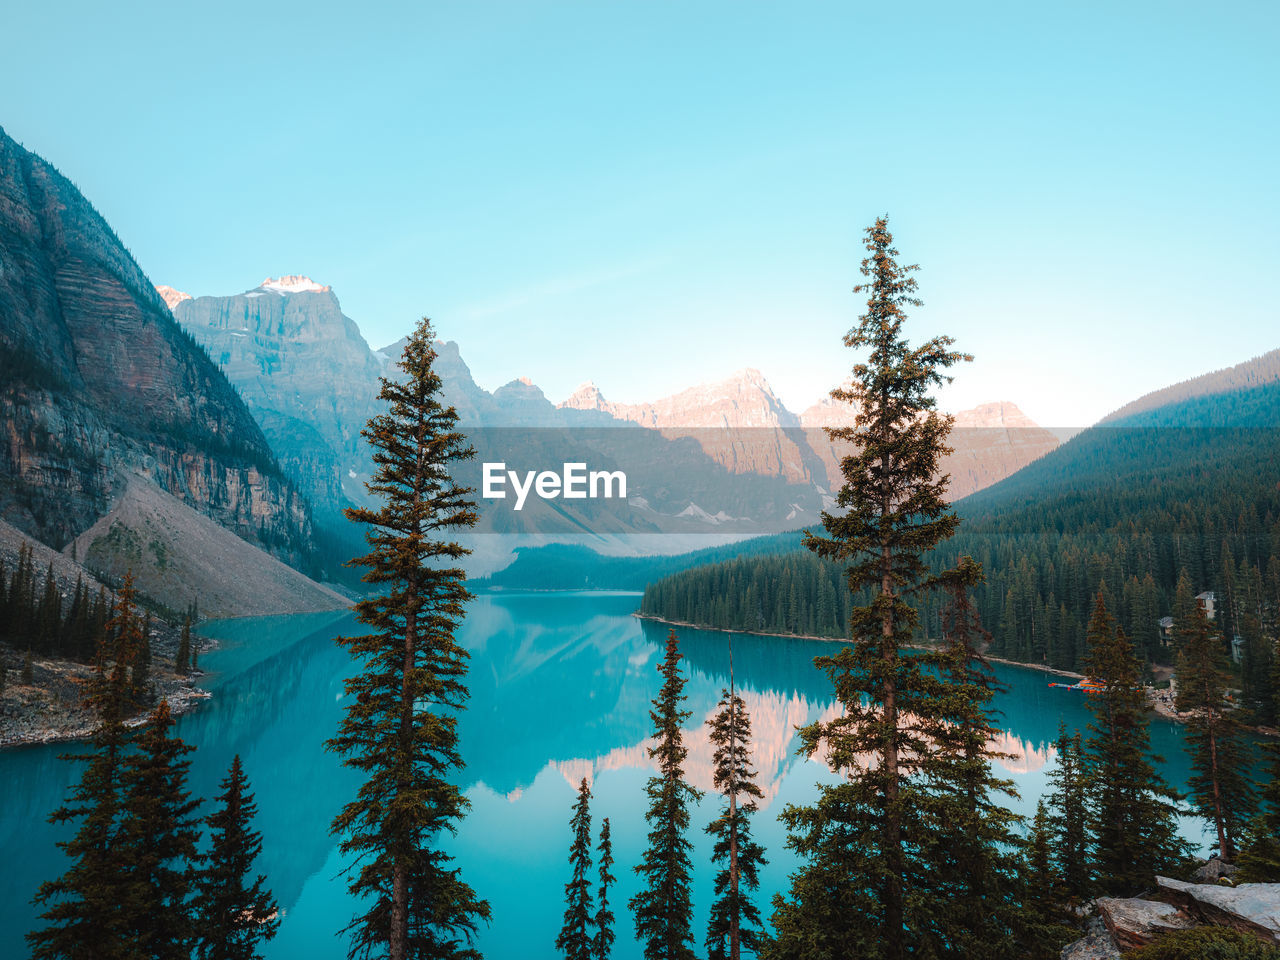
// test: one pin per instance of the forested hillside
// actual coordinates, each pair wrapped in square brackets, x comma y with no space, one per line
[1253,373]
[1188,489]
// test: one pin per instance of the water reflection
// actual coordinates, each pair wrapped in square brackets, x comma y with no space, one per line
[560,689]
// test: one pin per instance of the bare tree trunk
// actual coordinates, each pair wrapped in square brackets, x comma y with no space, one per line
[398,938]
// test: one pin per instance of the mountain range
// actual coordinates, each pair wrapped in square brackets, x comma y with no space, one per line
[752,465]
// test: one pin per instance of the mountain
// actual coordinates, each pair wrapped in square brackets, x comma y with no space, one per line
[1154,492]
[738,422]
[305,372]
[742,401]
[100,386]
[1249,375]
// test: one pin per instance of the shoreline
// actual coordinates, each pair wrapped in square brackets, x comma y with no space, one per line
[44,713]
[806,636]
[1160,709]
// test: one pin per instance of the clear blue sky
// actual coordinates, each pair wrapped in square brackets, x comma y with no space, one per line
[654,194]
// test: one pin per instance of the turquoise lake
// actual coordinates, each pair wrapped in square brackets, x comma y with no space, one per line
[560,688]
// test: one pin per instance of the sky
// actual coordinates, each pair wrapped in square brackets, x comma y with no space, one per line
[652,195]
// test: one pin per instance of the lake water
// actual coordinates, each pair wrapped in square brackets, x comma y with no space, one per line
[560,688]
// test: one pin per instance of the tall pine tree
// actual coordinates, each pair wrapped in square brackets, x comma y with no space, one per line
[1068,804]
[82,907]
[157,840]
[663,909]
[977,885]
[602,939]
[400,727]
[1260,856]
[1134,828]
[734,923]
[863,888]
[182,661]
[232,915]
[1220,786]
[574,940]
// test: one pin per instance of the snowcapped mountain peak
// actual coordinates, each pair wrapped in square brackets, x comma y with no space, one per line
[292,283]
[171,296]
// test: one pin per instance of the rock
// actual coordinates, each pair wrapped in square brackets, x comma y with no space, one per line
[1250,907]
[1096,944]
[307,374]
[1214,870]
[1135,923]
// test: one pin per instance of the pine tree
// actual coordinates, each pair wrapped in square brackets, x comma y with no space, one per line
[978,912]
[1045,917]
[1068,803]
[602,940]
[1134,813]
[1260,856]
[82,914]
[1184,600]
[400,728]
[1220,786]
[157,842]
[232,915]
[1044,883]
[735,919]
[182,662]
[123,643]
[663,909]
[1260,853]
[49,614]
[142,692]
[861,890]
[574,941]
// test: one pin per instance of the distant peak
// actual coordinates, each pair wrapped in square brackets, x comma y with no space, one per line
[293,283]
[586,397]
[525,380]
[171,296]
[754,376]
[998,413]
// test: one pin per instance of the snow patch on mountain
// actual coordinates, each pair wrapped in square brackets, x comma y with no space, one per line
[292,283]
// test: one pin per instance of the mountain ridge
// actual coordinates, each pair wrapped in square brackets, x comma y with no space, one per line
[1255,372]
[98,383]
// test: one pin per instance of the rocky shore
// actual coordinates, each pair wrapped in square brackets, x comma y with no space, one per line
[51,708]
[1210,900]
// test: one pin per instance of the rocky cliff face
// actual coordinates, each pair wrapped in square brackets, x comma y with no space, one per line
[306,373]
[98,384]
